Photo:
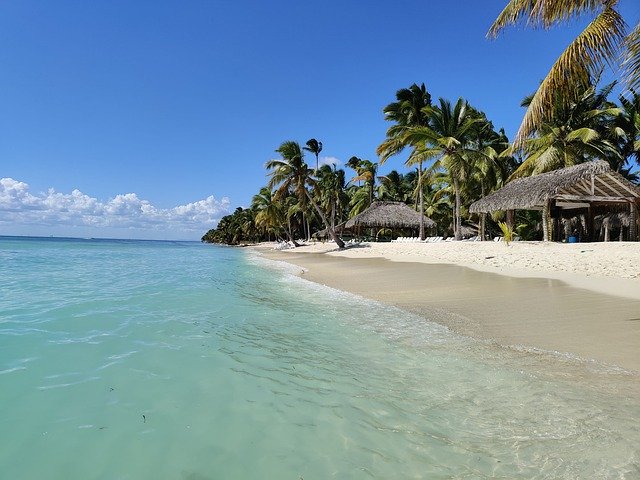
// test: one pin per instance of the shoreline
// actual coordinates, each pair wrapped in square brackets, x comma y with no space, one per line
[577,316]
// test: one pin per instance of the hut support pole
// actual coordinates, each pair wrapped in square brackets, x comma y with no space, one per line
[546,222]
[483,219]
[590,233]
[633,222]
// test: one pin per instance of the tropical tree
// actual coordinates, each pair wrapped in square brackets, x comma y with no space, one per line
[269,213]
[291,174]
[599,44]
[577,132]
[626,129]
[315,147]
[407,112]
[331,191]
[447,140]
[394,187]
[366,171]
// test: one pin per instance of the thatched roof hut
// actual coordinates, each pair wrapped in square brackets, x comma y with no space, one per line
[590,181]
[585,187]
[388,215]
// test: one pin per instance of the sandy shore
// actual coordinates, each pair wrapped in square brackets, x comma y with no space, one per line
[583,300]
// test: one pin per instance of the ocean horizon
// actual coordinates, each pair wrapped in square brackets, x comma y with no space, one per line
[130,359]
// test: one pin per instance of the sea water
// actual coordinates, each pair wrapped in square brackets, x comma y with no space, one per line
[165,360]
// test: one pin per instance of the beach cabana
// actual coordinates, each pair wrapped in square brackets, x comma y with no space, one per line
[584,190]
[393,215]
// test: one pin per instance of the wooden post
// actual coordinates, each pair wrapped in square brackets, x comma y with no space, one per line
[483,218]
[633,222]
[590,233]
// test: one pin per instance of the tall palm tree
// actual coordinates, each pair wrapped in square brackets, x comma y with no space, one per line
[291,173]
[331,191]
[406,112]
[315,147]
[447,139]
[599,44]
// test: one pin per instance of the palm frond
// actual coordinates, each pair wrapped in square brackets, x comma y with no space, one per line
[543,13]
[631,63]
[582,59]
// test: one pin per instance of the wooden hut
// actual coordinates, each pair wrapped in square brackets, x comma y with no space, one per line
[394,215]
[586,190]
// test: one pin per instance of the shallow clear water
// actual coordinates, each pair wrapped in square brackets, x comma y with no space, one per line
[128,360]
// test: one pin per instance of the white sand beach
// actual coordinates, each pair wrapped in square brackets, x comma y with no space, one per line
[576,299]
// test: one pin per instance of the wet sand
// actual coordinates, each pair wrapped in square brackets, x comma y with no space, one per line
[538,313]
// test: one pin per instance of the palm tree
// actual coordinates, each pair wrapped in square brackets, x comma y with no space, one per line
[290,173]
[331,191]
[576,133]
[406,112]
[269,213]
[393,186]
[315,147]
[447,139]
[366,171]
[626,128]
[599,44]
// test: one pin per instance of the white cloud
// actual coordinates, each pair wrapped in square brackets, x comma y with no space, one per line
[19,207]
[329,161]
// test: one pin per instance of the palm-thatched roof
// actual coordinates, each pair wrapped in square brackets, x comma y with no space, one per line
[388,215]
[588,182]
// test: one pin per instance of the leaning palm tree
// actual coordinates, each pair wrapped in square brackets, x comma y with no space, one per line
[447,139]
[406,112]
[291,174]
[315,147]
[599,44]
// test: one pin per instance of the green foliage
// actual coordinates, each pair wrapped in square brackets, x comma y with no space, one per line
[507,232]
[459,157]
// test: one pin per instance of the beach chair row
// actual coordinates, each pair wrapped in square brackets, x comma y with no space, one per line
[417,240]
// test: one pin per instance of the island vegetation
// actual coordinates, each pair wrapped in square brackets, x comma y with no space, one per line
[455,153]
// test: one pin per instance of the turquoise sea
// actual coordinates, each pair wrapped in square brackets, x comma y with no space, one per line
[168,360]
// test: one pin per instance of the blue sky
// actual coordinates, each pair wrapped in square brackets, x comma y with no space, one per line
[160,115]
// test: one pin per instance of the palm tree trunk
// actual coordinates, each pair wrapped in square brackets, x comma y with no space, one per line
[333,215]
[323,217]
[421,200]
[546,222]
[458,220]
[290,233]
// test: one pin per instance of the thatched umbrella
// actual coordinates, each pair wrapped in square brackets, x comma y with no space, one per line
[388,215]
